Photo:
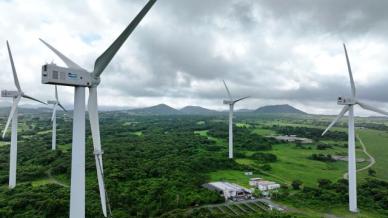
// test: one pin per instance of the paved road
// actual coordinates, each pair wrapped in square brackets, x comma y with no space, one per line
[372,160]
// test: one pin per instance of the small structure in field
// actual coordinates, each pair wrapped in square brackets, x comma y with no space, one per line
[266,187]
[293,138]
[230,191]
[248,173]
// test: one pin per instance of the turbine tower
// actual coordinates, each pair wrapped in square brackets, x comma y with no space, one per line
[231,103]
[349,103]
[76,76]
[13,116]
[55,104]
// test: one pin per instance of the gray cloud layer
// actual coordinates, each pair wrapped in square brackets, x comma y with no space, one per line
[275,51]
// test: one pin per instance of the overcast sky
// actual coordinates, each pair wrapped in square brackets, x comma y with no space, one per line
[277,52]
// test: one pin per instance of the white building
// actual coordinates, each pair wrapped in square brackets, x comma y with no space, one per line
[264,186]
[230,191]
[293,138]
[253,181]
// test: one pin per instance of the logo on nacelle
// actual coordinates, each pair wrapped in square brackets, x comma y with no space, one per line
[72,76]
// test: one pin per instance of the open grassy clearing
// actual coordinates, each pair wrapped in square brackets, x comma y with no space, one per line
[201,122]
[64,147]
[294,163]
[246,125]
[205,134]
[137,133]
[234,176]
[44,132]
[264,132]
[376,143]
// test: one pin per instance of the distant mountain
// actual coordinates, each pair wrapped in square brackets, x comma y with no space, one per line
[4,111]
[279,109]
[160,109]
[244,111]
[196,110]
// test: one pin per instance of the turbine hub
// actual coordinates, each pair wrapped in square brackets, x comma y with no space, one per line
[95,80]
[228,102]
[346,101]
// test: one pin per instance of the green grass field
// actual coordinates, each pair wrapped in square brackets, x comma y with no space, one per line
[233,176]
[376,143]
[293,164]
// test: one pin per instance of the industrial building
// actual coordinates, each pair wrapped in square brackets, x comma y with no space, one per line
[230,191]
[293,138]
[266,187]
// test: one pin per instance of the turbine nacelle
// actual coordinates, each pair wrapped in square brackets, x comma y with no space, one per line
[52,102]
[228,102]
[10,94]
[53,74]
[346,101]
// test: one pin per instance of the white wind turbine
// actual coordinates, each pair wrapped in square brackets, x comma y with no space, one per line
[55,104]
[80,78]
[13,115]
[231,103]
[348,103]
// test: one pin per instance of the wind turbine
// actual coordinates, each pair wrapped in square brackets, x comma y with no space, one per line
[348,103]
[13,116]
[231,103]
[80,78]
[55,104]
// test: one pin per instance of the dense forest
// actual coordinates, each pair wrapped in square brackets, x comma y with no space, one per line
[154,166]
[308,132]
[371,194]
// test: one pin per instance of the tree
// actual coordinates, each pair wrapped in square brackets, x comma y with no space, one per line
[371,172]
[266,167]
[324,183]
[296,184]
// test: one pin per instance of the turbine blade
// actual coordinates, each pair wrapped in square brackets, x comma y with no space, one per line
[352,85]
[66,60]
[227,90]
[372,108]
[13,109]
[54,112]
[15,76]
[63,108]
[56,93]
[340,115]
[240,99]
[95,129]
[107,56]
[34,99]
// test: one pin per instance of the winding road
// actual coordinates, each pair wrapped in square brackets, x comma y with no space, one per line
[372,160]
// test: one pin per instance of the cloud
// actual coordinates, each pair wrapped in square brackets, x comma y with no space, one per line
[275,51]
